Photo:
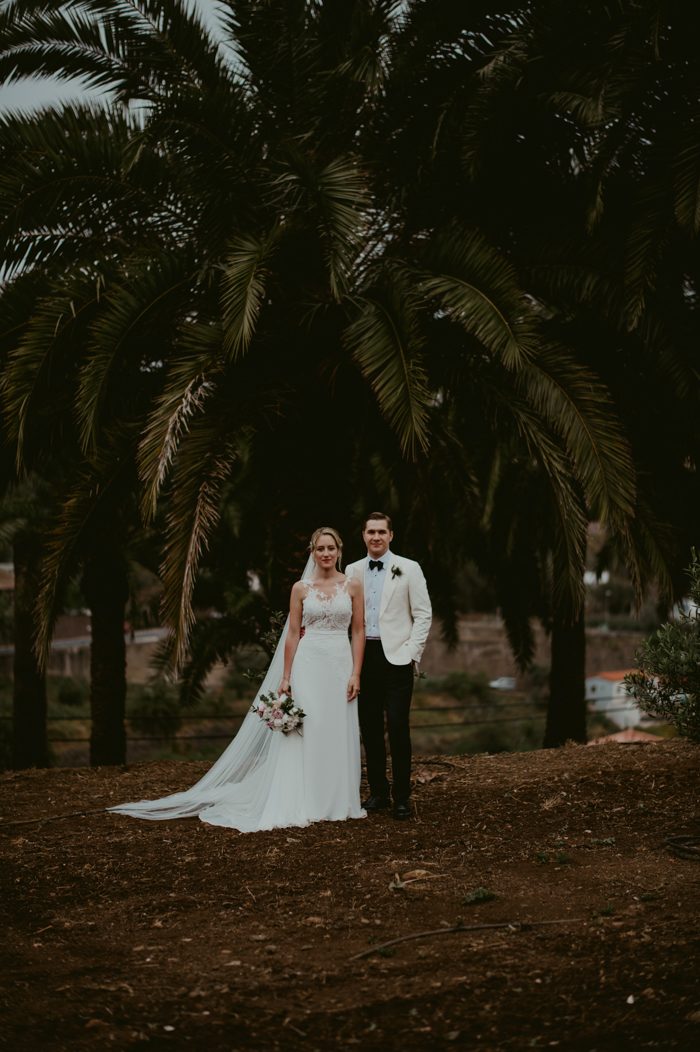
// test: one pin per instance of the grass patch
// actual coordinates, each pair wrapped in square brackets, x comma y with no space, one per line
[473,898]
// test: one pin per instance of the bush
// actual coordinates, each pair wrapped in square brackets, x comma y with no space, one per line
[240,683]
[72,692]
[462,686]
[154,710]
[667,684]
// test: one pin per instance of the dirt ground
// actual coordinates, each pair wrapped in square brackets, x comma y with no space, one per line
[577,924]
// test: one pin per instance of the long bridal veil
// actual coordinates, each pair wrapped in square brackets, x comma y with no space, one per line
[244,759]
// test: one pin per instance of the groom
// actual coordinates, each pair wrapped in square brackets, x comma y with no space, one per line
[397,622]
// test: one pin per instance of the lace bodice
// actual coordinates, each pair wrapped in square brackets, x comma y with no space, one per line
[327,613]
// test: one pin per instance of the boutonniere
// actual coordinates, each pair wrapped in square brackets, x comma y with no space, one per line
[396,571]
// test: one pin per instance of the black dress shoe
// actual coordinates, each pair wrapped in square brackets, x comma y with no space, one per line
[376,803]
[402,811]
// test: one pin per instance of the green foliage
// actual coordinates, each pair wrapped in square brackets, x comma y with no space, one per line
[239,683]
[463,243]
[72,692]
[667,684]
[473,898]
[154,710]
[303,237]
[462,686]
[498,737]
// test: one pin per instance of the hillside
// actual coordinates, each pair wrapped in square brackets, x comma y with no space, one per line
[126,934]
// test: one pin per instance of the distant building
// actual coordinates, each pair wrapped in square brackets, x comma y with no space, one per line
[503,683]
[607,693]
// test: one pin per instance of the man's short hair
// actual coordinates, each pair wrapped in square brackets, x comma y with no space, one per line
[378,515]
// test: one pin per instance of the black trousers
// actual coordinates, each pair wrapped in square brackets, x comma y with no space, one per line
[386,688]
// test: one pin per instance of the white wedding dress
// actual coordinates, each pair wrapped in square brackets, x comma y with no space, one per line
[266,779]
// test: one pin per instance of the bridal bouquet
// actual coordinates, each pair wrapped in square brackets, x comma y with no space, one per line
[279,712]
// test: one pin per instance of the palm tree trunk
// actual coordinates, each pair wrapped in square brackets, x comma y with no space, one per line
[566,712]
[106,590]
[30,747]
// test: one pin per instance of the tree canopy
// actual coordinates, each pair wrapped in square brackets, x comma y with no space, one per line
[440,258]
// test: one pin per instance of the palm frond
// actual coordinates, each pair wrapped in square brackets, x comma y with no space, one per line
[650,550]
[384,340]
[193,513]
[586,109]
[29,386]
[336,197]
[564,507]
[342,200]
[136,49]
[64,195]
[577,406]
[91,499]
[686,173]
[184,396]
[141,309]
[213,641]
[243,284]
[41,39]
[646,240]
[477,287]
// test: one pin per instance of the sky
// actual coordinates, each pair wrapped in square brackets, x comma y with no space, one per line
[31,94]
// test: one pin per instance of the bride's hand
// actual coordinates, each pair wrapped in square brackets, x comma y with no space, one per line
[353,687]
[284,687]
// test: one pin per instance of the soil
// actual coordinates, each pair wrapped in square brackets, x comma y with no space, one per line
[577,924]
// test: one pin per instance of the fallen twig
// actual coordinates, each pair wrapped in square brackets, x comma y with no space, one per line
[513,925]
[684,846]
[52,818]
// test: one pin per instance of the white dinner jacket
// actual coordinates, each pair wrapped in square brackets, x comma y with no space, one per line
[405,613]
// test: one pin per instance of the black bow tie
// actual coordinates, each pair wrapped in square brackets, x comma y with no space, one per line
[376,563]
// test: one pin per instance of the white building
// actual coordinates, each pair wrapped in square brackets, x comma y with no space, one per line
[608,694]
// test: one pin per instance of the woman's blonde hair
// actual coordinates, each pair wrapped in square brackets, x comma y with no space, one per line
[331,533]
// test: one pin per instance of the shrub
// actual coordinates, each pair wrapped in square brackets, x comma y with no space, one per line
[668,681]
[239,683]
[478,895]
[154,710]
[72,692]
[463,686]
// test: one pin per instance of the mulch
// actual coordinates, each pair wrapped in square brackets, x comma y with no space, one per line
[536,900]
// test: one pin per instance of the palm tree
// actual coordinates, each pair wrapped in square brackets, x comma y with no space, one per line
[253,291]
[597,109]
[24,510]
[53,285]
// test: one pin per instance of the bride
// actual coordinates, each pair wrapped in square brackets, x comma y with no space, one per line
[266,779]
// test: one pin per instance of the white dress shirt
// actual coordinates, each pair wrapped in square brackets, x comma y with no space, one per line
[374,585]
